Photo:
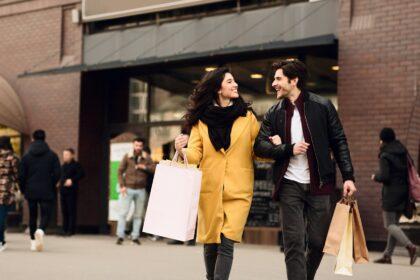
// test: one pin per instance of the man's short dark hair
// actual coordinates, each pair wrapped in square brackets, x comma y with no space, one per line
[39,134]
[70,150]
[139,139]
[387,135]
[292,69]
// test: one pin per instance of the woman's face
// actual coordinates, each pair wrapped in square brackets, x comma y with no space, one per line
[229,88]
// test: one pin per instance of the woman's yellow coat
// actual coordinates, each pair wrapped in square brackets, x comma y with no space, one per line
[228,179]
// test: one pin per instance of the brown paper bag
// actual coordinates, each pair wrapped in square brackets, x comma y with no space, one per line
[337,228]
[344,264]
[360,249]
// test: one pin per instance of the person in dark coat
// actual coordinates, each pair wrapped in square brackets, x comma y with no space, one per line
[71,173]
[39,173]
[393,174]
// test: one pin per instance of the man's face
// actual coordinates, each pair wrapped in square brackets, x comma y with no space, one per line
[138,147]
[67,156]
[282,84]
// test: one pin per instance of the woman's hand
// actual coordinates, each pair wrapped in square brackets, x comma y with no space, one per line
[181,141]
[275,140]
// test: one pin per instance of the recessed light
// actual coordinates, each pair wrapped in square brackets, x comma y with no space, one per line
[335,68]
[256,76]
[209,69]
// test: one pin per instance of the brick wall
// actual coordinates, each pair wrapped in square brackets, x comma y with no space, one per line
[37,35]
[379,58]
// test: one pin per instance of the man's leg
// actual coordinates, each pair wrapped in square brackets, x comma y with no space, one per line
[46,208]
[139,202]
[318,222]
[33,217]
[293,229]
[3,216]
[65,212]
[72,212]
[125,202]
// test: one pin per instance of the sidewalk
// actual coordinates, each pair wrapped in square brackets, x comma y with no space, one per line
[98,258]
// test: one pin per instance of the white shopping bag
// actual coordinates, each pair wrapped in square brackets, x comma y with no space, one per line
[173,202]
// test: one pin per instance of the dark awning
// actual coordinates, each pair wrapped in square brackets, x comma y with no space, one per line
[283,27]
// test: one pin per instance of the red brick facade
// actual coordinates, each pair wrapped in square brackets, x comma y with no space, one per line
[379,58]
[38,35]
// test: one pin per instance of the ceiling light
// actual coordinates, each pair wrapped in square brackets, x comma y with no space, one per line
[335,68]
[209,69]
[256,76]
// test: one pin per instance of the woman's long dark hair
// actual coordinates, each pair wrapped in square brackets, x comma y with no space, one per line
[204,94]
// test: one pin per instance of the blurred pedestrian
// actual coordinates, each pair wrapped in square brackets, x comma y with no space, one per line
[223,128]
[71,173]
[8,183]
[393,174]
[39,173]
[133,178]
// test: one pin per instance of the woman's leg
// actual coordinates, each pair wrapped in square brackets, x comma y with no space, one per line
[389,219]
[224,259]
[210,257]
[392,219]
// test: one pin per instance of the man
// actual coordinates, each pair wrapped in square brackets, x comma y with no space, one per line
[39,173]
[133,178]
[298,133]
[71,173]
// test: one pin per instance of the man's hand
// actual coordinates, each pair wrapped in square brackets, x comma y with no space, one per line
[141,166]
[300,148]
[123,191]
[372,177]
[349,188]
[68,183]
[181,141]
[275,140]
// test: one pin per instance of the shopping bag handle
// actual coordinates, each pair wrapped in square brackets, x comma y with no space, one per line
[348,200]
[176,157]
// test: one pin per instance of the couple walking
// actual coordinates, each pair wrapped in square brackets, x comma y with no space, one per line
[298,133]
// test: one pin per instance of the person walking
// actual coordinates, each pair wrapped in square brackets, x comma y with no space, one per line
[71,173]
[393,174]
[223,128]
[133,174]
[8,183]
[298,134]
[39,173]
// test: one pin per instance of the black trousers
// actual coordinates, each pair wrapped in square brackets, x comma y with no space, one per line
[305,222]
[218,259]
[46,209]
[69,210]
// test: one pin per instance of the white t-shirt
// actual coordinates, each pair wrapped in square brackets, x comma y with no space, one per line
[298,169]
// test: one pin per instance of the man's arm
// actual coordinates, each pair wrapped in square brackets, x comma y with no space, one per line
[263,147]
[121,170]
[338,142]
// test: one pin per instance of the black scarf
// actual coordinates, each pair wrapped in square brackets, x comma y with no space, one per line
[220,121]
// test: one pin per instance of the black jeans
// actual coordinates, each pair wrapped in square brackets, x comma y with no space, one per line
[46,208]
[305,222]
[69,210]
[218,259]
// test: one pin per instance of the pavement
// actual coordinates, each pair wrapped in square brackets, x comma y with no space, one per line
[96,257]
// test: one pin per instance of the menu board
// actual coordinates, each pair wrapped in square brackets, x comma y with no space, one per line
[264,211]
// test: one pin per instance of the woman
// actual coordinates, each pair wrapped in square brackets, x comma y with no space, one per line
[393,174]
[223,129]
[8,183]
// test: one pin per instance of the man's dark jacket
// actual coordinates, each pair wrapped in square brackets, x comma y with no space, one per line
[326,135]
[39,172]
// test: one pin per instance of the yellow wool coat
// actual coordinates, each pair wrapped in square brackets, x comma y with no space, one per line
[227,182]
